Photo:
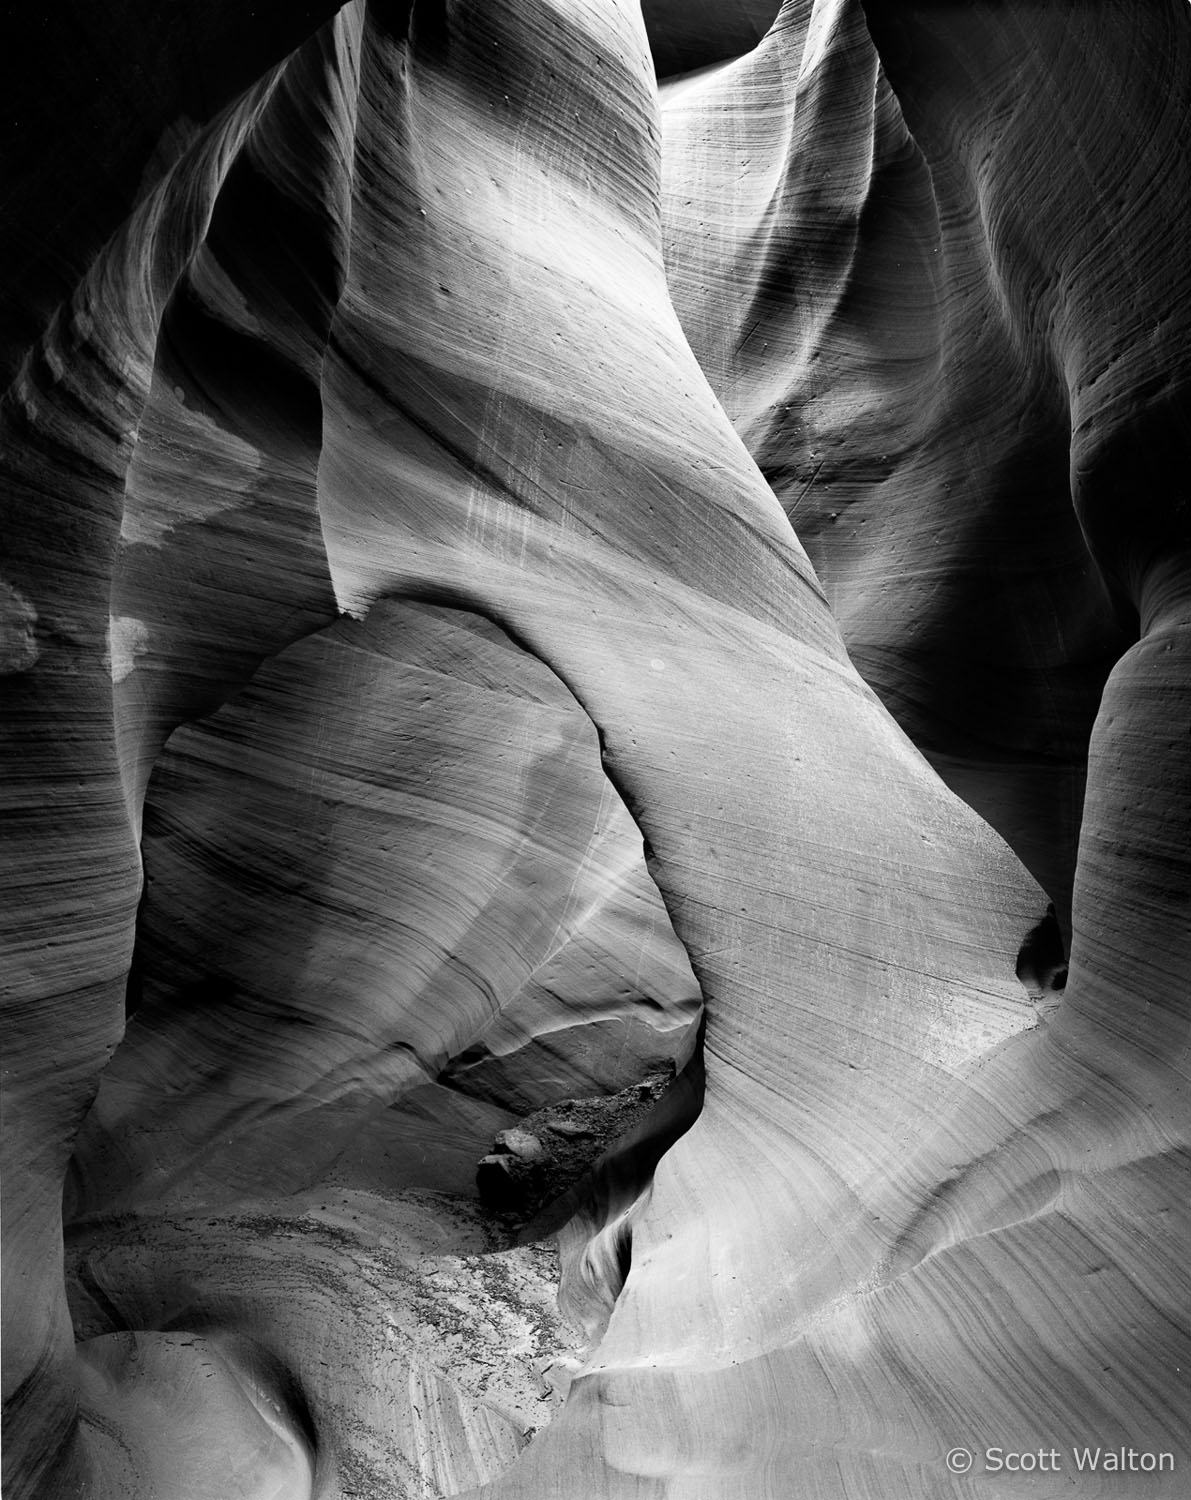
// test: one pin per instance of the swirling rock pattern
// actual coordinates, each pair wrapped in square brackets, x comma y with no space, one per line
[550,576]
[457,841]
[841,289]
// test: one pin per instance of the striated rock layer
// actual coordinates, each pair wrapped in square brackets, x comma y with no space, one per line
[517,583]
[840,281]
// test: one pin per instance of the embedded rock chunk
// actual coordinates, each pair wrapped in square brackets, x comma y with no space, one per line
[548,1151]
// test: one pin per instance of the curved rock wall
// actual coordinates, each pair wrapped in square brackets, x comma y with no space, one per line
[845,289]
[397,835]
[527,561]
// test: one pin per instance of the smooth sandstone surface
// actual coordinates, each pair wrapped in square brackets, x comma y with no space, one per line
[838,280]
[517,577]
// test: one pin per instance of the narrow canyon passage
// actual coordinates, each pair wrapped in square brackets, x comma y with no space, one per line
[598,799]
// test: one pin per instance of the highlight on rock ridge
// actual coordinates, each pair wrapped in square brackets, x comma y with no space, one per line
[595,634]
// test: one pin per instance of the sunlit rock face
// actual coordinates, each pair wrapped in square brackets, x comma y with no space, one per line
[565,632]
[395,846]
[850,291]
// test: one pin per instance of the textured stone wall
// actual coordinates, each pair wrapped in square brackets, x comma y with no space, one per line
[522,583]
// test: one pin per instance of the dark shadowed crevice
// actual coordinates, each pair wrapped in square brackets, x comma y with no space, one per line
[1042,960]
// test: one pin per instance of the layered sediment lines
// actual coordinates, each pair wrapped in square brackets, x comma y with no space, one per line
[523,566]
[396,844]
[873,333]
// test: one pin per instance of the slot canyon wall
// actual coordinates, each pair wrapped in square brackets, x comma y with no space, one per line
[596,691]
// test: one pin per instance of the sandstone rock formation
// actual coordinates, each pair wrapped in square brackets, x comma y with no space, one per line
[521,581]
